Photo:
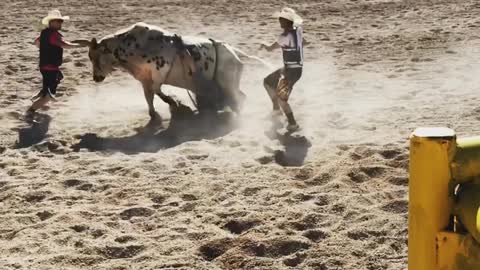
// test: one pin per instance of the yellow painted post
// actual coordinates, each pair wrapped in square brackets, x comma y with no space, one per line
[430,206]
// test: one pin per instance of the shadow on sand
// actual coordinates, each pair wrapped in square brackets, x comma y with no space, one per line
[35,132]
[182,128]
[296,146]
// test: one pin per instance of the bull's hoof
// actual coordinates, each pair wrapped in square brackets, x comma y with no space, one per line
[154,122]
[153,125]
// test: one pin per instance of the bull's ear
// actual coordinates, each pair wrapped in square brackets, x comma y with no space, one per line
[94,43]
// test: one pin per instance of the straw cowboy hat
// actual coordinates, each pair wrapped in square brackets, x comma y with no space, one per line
[54,15]
[289,14]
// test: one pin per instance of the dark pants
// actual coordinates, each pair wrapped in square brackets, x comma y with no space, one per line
[292,75]
[51,79]
[273,83]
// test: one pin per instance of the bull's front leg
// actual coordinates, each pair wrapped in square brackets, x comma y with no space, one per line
[155,118]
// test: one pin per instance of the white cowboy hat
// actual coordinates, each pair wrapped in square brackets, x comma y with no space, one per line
[54,15]
[289,14]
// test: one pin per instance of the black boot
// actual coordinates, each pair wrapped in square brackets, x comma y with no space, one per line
[30,115]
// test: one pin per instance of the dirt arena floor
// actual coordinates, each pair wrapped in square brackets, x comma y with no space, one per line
[85,191]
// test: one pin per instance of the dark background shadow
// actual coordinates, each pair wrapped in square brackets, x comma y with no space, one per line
[35,132]
[182,129]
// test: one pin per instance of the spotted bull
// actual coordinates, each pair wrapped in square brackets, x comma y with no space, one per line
[156,57]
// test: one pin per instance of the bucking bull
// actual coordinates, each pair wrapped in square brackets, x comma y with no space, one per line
[210,69]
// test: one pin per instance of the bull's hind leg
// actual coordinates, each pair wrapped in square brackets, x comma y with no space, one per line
[233,97]
[236,100]
[228,75]
[208,94]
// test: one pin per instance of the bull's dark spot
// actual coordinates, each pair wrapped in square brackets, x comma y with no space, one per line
[190,72]
[206,66]
[196,56]
[149,61]
[128,38]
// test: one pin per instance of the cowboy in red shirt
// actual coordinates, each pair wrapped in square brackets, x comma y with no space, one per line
[51,46]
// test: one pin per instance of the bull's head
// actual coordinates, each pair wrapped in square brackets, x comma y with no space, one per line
[102,58]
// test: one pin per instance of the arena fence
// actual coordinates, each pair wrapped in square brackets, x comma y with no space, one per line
[444,201]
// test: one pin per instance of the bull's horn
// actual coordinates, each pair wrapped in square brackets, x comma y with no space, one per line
[83,42]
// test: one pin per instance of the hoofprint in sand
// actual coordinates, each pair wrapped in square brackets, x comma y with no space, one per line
[83,190]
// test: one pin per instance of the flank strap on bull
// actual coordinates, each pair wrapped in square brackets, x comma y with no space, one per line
[216,57]
[206,89]
[180,52]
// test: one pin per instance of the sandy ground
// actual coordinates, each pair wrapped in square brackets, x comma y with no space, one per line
[84,191]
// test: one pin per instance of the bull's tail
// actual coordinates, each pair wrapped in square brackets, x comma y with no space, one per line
[245,55]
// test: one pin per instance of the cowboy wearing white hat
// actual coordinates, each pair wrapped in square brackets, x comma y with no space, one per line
[279,84]
[289,14]
[54,15]
[51,46]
